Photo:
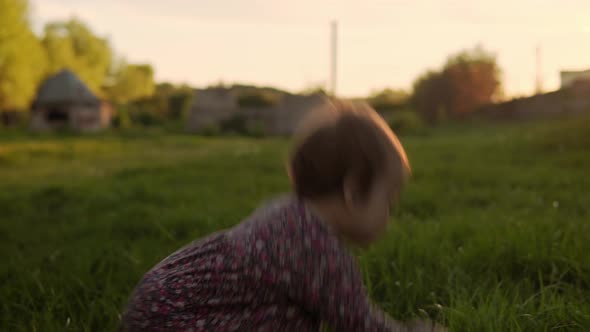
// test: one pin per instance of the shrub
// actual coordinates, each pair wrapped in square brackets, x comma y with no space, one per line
[14,118]
[389,100]
[146,118]
[211,130]
[122,119]
[236,124]
[406,123]
[257,99]
[255,129]
[179,104]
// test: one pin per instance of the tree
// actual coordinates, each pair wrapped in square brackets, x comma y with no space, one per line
[430,98]
[168,102]
[469,80]
[22,59]
[180,102]
[473,76]
[389,99]
[258,98]
[132,82]
[165,88]
[73,45]
[315,89]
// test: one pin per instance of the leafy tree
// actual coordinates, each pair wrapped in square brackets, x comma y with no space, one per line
[179,103]
[132,82]
[73,45]
[430,98]
[389,99]
[22,59]
[314,89]
[257,98]
[165,88]
[149,110]
[469,80]
[168,102]
[474,78]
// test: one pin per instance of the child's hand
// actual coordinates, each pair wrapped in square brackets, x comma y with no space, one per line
[420,325]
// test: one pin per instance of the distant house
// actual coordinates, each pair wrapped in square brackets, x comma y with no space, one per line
[213,106]
[64,102]
[568,78]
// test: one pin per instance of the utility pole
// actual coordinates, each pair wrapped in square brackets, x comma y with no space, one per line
[334,57]
[539,75]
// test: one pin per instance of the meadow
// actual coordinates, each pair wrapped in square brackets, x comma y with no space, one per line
[491,234]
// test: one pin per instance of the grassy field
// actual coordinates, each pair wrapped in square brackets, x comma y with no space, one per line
[492,234]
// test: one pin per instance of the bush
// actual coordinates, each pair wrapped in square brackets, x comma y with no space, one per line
[257,99]
[406,123]
[389,100]
[211,130]
[469,80]
[237,124]
[149,111]
[146,119]
[14,118]
[122,119]
[255,129]
[179,104]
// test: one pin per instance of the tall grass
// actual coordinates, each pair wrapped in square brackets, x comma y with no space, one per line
[492,233]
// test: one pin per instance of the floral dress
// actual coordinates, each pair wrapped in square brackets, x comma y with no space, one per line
[282,269]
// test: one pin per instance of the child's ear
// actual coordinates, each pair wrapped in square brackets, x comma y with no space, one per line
[350,192]
[289,172]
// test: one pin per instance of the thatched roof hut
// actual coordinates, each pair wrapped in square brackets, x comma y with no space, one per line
[64,101]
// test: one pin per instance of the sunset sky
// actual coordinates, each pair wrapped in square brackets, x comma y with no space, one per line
[286,43]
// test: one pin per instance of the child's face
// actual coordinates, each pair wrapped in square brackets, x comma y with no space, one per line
[367,219]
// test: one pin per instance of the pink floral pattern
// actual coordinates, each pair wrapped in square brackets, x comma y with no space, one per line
[282,269]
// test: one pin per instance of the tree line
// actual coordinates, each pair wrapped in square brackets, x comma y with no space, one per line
[26,59]
[467,81]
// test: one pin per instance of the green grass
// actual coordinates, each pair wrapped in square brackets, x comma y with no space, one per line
[492,234]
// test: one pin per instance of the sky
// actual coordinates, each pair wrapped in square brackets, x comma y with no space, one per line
[381,44]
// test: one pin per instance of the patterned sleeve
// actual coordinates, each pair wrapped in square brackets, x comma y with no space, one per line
[319,274]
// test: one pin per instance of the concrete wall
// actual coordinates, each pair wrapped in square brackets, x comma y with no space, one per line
[211,107]
[293,110]
[566,101]
[200,118]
